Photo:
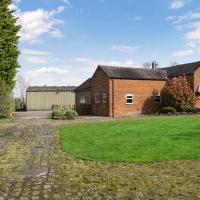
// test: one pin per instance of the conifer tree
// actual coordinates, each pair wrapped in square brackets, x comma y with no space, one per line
[8,44]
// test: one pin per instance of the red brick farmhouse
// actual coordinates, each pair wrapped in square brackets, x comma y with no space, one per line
[122,91]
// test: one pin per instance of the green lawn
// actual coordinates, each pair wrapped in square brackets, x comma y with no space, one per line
[139,140]
[5,121]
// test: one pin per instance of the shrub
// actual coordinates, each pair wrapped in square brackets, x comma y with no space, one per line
[70,114]
[193,110]
[58,114]
[166,110]
[178,94]
[55,107]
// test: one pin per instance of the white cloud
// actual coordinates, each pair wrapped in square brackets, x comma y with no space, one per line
[49,76]
[183,53]
[41,59]
[124,48]
[37,23]
[89,64]
[12,6]
[36,60]
[193,37]
[177,4]
[66,75]
[171,18]
[190,24]
[67,2]
[188,16]
[135,18]
[34,52]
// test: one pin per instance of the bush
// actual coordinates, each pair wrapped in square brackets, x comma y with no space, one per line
[55,107]
[70,114]
[193,110]
[57,114]
[178,94]
[60,112]
[167,110]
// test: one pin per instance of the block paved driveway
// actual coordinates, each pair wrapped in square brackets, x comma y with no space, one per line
[33,166]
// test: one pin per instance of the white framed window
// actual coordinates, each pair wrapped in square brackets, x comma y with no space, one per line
[82,100]
[157,99]
[104,98]
[129,99]
[97,97]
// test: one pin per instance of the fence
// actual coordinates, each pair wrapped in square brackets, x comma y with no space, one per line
[85,109]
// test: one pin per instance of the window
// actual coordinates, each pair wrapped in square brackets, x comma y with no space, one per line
[198,89]
[82,100]
[97,98]
[129,99]
[157,99]
[104,98]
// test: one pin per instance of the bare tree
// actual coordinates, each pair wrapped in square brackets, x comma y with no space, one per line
[21,87]
[147,65]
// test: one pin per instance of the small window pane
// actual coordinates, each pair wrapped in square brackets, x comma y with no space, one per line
[104,98]
[129,99]
[97,98]
[157,99]
[82,100]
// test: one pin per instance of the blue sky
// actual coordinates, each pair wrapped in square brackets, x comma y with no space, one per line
[63,41]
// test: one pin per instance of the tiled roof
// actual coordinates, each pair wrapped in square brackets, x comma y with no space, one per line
[50,88]
[85,85]
[134,73]
[183,69]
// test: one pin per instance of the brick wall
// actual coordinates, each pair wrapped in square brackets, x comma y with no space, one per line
[143,92]
[100,85]
[190,79]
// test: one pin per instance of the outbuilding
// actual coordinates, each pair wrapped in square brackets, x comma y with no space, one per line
[125,91]
[42,98]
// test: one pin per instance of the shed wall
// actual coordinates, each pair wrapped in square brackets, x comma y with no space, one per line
[45,100]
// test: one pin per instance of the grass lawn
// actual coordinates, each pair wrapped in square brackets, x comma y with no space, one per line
[5,121]
[135,140]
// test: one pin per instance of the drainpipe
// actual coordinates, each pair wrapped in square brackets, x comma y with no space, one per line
[113,102]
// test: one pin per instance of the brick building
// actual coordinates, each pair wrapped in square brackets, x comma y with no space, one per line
[122,91]
[83,93]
